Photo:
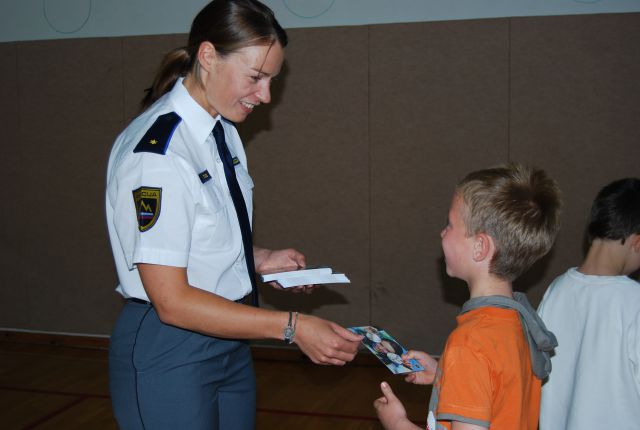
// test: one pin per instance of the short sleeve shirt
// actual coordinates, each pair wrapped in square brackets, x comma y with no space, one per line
[192,220]
[595,382]
[484,376]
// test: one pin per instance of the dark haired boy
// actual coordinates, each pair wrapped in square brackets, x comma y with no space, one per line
[501,221]
[594,310]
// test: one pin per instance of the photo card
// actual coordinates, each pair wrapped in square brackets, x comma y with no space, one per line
[387,349]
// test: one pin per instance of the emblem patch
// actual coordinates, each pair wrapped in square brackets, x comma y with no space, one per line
[204,176]
[147,201]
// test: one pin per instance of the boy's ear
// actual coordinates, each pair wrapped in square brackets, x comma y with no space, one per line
[483,247]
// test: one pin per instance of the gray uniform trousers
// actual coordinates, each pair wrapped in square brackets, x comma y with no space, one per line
[164,377]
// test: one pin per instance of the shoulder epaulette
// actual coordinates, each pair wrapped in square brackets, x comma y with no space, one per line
[157,138]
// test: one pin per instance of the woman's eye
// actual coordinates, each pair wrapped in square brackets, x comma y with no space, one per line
[255,78]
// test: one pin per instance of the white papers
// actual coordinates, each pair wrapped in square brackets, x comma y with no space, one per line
[311,271]
[331,278]
[310,276]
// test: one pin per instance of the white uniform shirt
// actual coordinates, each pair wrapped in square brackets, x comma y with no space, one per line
[195,225]
[595,375]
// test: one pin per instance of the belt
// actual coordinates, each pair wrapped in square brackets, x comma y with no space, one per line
[244,300]
[138,301]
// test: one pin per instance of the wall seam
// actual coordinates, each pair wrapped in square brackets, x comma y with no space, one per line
[509,77]
[122,74]
[369,172]
[21,160]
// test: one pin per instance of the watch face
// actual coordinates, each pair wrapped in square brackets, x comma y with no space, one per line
[288,332]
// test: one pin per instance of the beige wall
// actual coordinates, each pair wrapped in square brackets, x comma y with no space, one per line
[354,162]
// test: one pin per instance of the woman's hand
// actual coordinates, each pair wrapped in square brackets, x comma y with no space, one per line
[430,364]
[280,259]
[325,342]
[269,260]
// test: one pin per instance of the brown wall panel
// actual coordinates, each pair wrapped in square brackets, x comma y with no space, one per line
[141,57]
[14,304]
[439,106]
[308,155]
[575,111]
[70,97]
[354,161]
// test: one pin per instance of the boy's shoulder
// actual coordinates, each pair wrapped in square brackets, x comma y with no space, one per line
[484,325]
[488,337]
[574,278]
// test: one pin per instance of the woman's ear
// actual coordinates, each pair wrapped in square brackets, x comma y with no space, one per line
[483,247]
[207,55]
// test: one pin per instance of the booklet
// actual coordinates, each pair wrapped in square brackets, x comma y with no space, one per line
[314,275]
[387,349]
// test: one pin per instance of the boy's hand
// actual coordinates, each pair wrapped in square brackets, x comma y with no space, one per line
[390,410]
[429,363]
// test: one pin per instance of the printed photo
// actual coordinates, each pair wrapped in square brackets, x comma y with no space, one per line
[387,349]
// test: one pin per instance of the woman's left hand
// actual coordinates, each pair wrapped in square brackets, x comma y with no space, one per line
[269,260]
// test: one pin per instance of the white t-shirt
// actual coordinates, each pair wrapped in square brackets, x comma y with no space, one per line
[595,375]
[187,216]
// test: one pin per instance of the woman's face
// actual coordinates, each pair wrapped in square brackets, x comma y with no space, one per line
[234,85]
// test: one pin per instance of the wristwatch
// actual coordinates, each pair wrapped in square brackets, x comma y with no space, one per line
[290,329]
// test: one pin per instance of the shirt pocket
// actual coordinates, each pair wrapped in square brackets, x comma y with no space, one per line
[213,200]
[211,229]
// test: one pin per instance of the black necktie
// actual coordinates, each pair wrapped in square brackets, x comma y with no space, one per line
[238,202]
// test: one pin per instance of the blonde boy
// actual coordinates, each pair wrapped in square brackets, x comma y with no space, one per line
[501,221]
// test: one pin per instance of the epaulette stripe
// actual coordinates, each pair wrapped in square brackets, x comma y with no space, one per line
[157,138]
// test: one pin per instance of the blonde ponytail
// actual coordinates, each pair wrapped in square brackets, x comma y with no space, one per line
[174,65]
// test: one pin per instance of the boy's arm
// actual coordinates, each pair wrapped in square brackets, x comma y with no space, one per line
[391,412]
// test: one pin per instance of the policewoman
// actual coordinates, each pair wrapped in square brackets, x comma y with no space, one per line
[179,208]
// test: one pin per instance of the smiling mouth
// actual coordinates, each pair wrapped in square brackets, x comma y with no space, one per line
[248,105]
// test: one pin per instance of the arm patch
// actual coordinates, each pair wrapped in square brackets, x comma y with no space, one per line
[147,201]
[157,138]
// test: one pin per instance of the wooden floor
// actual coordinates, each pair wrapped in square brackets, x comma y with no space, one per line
[53,383]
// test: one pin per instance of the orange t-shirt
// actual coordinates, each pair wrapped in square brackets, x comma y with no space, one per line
[484,376]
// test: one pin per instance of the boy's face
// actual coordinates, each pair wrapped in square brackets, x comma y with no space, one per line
[384,346]
[456,245]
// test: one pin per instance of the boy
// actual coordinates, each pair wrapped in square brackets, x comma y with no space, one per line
[595,312]
[500,222]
